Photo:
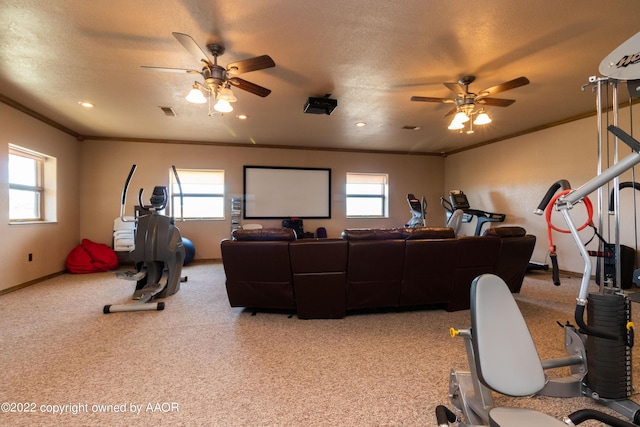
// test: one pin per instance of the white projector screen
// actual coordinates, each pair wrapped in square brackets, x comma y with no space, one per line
[285,192]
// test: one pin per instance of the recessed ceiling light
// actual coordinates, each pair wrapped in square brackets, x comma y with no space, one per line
[360,124]
[86,104]
[242,116]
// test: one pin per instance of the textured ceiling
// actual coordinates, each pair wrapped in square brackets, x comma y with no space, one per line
[371,55]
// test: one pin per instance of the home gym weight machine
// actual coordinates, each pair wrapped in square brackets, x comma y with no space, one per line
[599,350]
[158,255]
[608,255]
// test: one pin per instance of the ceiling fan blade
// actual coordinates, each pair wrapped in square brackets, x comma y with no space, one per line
[495,102]
[430,99]
[170,70]
[455,87]
[512,84]
[252,64]
[249,87]
[188,43]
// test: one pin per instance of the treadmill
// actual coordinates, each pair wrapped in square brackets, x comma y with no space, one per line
[458,200]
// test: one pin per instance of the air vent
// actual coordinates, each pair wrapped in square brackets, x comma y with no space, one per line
[168,111]
[409,127]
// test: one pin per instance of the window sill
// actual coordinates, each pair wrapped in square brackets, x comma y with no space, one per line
[31,222]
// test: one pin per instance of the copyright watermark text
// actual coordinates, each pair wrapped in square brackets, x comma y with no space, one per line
[86,408]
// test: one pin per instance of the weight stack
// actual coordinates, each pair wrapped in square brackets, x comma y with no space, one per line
[609,361]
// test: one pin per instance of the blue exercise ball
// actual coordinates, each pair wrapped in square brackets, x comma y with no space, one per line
[189,249]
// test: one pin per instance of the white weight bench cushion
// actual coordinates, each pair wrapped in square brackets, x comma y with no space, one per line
[507,359]
[521,417]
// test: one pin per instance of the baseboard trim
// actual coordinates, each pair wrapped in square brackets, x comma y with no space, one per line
[31,282]
[59,273]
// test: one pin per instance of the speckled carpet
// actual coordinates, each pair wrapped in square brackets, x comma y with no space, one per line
[201,363]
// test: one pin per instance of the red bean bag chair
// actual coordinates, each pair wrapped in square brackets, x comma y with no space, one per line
[91,257]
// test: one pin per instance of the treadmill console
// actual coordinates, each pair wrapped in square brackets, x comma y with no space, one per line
[458,200]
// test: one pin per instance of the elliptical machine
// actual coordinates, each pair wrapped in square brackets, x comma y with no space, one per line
[418,212]
[158,255]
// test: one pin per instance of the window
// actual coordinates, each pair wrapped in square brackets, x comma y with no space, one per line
[202,194]
[367,195]
[31,196]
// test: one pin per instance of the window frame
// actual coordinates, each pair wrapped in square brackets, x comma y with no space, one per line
[174,194]
[38,189]
[383,196]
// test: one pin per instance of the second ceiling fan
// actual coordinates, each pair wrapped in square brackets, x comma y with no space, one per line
[469,104]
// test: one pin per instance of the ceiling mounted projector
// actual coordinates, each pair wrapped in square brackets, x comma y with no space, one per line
[320,105]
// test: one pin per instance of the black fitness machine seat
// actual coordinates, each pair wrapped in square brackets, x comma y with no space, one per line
[458,200]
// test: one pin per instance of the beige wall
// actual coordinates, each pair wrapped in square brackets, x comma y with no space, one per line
[513,176]
[508,177]
[49,243]
[104,167]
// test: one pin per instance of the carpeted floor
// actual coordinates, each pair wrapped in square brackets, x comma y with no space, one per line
[201,363]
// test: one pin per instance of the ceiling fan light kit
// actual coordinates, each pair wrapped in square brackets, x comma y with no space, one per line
[469,104]
[460,117]
[218,79]
[195,95]
[225,94]
[223,106]
[482,119]
[455,125]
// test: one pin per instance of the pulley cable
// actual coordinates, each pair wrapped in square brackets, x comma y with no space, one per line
[550,228]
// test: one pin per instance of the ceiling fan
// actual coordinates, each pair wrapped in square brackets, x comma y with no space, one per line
[469,104]
[218,79]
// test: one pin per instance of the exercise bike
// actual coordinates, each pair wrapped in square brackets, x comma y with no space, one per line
[158,255]
[503,358]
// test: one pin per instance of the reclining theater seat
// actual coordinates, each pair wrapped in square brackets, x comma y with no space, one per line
[319,277]
[258,269]
[374,271]
[430,257]
[516,248]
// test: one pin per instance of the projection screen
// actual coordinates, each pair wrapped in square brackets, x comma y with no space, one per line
[286,192]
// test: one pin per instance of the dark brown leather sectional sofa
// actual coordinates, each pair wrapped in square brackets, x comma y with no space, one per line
[368,268]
